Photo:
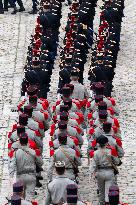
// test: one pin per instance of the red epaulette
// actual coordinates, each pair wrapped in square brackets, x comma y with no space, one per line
[77,153]
[34,203]
[118,141]
[32,144]
[114,152]
[37,133]
[14,127]
[58,102]
[90,115]
[52,129]
[51,144]
[21,104]
[91,122]
[94,143]
[53,108]
[83,102]
[9,134]
[116,122]
[9,145]
[91,131]
[77,104]
[75,140]
[51,152]
[38,153]
[91,153]
[112,101]
[44,105]
[114,129]
[11,153]
[111,110]
[41,125]
[81,117]
[79,131]
[88,104]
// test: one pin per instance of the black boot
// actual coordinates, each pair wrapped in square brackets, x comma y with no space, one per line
[39,177]
[14,11]
[21,9]
[1,11]
[34,11]
[38,184]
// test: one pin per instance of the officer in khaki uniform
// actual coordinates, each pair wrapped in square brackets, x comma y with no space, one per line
[102,168]
[79,92]
[66,154]
[23,163]
[57,193]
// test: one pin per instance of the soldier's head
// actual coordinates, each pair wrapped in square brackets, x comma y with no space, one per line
[72,194]
[23,139]
[64,108]
[18,188]
[60,167]
[62,137]
[33,100]
[102,105]
[102,140]
[74,75]
[71,86]
[98,98]
[107,127]
[23,119]
[15,200]
[99,88]
[32,90]
[20,130]
[68,103]
[28,110]
[103,114]
[64,117]
[66,92]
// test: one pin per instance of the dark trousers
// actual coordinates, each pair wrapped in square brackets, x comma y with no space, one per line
[34,4]
[20,3]
[1,5]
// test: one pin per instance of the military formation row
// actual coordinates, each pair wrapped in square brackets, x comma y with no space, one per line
[73,113]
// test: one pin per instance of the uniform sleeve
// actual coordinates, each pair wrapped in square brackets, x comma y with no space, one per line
[93,166]
[51,168]
[12,166]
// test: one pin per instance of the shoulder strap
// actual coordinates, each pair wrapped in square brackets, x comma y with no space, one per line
[68,157]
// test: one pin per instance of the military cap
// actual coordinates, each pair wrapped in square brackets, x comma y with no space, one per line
[23,138]
[66,91]
[71,86]
[64,116]
[74,73]
[60,164]
[103,114]
[15,200]
[98,98]
[102,105]
[64,108]
[23,119]
[62,125]
[32,90]
[72,189]
[72,199]
[107,126]
[18,186]
[102,139]
[68,102]
[113,198]
[20,129]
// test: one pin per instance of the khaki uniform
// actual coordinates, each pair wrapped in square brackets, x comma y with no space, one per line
[79,92]
[71,132]
[59,156]
[24,202]
[57,192]
[104,173]
[23,163]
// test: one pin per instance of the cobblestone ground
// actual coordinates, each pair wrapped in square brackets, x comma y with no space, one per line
[14,38]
